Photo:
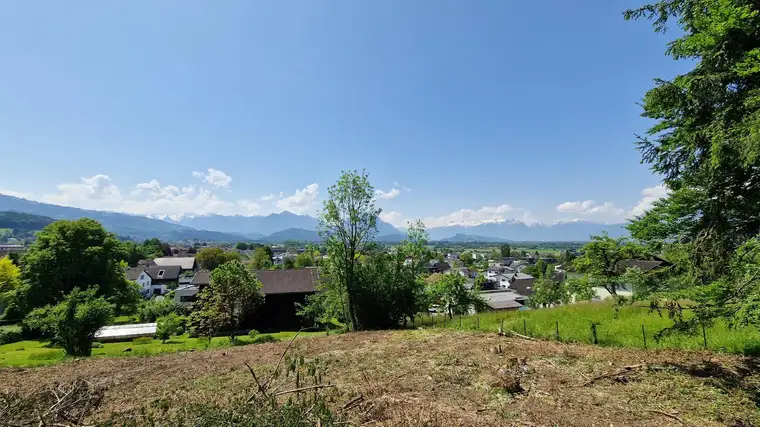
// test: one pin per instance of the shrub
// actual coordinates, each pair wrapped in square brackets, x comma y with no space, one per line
[142,340]
[9,336]
[260,339]
[150,310]
[253,333]
[73,322]
[97,345]
[168,325]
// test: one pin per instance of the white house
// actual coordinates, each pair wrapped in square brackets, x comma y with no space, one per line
[154,280]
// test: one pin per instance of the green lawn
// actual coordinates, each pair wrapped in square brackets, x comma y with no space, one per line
[624,331]
[37,353]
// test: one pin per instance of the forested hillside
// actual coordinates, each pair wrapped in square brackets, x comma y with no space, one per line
[21,225]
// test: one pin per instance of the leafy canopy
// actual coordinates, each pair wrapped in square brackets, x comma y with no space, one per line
[211,258]
[348,223]
[451,293]
[706,139]
[74,321]
[233,294]
[261,259]
[69,254]
[600,261]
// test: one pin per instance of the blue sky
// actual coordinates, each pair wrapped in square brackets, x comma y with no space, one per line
[462,112]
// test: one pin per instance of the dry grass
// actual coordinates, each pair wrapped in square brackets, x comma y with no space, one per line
[442,378]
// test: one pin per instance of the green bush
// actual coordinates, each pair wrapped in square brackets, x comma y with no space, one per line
[150,310]
[142,340]
[97,345]
[74,321]
[168,325]
[260,339]
[253,333]
[9,336]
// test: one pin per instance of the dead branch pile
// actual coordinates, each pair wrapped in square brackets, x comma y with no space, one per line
[64,405]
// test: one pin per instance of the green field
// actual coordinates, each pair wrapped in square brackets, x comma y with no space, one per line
[37,353]
[624,331]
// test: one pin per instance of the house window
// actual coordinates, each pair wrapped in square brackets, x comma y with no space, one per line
[156,291]
[142,277]
[161,273]
[187,298]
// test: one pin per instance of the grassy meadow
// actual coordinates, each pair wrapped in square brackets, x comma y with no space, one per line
[625,330]
[38,353]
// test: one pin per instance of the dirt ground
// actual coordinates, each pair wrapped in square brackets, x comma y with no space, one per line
[443,378]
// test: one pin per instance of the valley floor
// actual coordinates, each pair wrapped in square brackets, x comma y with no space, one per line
[440,378]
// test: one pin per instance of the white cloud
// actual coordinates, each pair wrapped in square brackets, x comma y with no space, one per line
[393,192]
[216,178]
[16,194]
[249,207]
[95,192]
[388,194]
[301,201]
[271,197]
[394,218]
[469,217]
[648,197]
[589,207]
[150,198]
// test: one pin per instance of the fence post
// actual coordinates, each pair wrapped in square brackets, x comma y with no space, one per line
[413,321]
[704,335]
[594,338]
[644,335]
[557,328]
[525,327]
[478,320]
[460,321]
[501,329]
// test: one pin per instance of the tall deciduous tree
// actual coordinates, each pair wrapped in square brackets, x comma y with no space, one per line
[506,250]
[452,294]
[466,258]
[600,261]
[706,142]
[211,258]
[304,259]
[133,253]
[69,254]
[260,260]
[10,280]
[348,223]
[233,294]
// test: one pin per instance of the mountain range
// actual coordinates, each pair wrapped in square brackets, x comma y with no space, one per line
[278,227]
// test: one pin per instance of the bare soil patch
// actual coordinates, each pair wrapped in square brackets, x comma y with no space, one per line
[440,378]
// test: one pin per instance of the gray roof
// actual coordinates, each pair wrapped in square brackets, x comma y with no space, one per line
[201,278]
[187,263]
[133,273]
[522,287]
[503,300]
[295,281]
[171,272]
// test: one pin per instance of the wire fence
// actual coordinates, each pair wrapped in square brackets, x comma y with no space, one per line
[582,330]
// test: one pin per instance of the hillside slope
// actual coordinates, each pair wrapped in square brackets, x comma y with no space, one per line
[22,224]
[440,379]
